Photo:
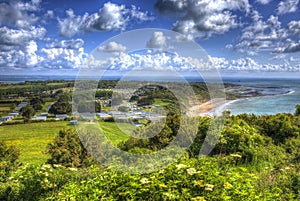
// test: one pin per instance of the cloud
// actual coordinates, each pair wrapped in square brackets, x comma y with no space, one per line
[152,60]
[249,64]
[112,47]
[156,60]
[17,37]
[294,27]
[158,40]
[62,57]
[264,2]
[110,17]
[24,56]
[287,6]
[260,35]
[202,18]
[18,14]
[49,14]
[68,54]
[67,44]
[289,47]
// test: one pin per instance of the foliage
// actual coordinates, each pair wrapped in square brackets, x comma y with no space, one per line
[123,109]
[31,139]
[68,150]
[27,112]
[8,160]
[36,103]
[61,108]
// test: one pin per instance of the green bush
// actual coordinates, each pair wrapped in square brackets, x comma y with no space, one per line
[8,160]
[67,150]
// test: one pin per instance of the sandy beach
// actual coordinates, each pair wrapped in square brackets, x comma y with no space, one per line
[206,108]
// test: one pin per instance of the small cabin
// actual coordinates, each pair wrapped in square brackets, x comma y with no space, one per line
[73,122]
[39,118]
[61,116]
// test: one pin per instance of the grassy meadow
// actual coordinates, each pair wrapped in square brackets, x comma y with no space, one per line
[32,139]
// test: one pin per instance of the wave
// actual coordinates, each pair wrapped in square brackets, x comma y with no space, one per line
[290,92]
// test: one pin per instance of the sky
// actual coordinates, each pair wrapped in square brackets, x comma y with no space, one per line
[57,36]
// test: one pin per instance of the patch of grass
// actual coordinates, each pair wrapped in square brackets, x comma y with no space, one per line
[116,133]
[4,108]
[161,102]
[45,105]
[32,139]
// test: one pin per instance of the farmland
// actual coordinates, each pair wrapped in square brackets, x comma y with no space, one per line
[32,139]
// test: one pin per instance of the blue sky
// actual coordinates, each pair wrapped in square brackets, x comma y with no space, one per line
[54,36]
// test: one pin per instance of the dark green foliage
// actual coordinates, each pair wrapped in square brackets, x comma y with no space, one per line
[61,108]
[8,160]
[27,112]
[279,127]
[104,94]
[116,99]
[36,103]
[88,107]
[239,138]
[123,109]
[64,97]
[145,101]
[68,150]
[164,134]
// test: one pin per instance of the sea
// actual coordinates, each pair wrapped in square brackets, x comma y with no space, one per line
[279,95]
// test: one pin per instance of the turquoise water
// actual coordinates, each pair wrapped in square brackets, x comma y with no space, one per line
[287,90]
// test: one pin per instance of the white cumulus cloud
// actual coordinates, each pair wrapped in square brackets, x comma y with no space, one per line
[203,18]
[287,6]
[112,47]
[158,40]
[110,17]
[18,13]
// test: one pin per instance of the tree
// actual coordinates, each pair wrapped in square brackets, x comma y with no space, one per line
[116,99]
[64,98]
[123,108]
[68,150]
[91,107]
[61,108]
[145,101]
[36,100]
[36,103]
[27,112]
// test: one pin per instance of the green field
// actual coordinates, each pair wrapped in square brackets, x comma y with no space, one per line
[45,105]
[32,139]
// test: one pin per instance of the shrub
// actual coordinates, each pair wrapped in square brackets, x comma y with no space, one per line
[8,160]
[68,150]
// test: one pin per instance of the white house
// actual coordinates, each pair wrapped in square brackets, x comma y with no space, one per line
[61,116]
[39,118]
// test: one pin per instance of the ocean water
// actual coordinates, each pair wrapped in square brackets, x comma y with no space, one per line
[285,96]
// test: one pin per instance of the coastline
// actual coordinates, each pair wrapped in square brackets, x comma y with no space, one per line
[209,108]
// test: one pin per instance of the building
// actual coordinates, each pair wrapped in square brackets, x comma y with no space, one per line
[103,115]
[23,104]
[39,118]
[14,114]
[61,116]
[73,122]
[44,115]
[6,118]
